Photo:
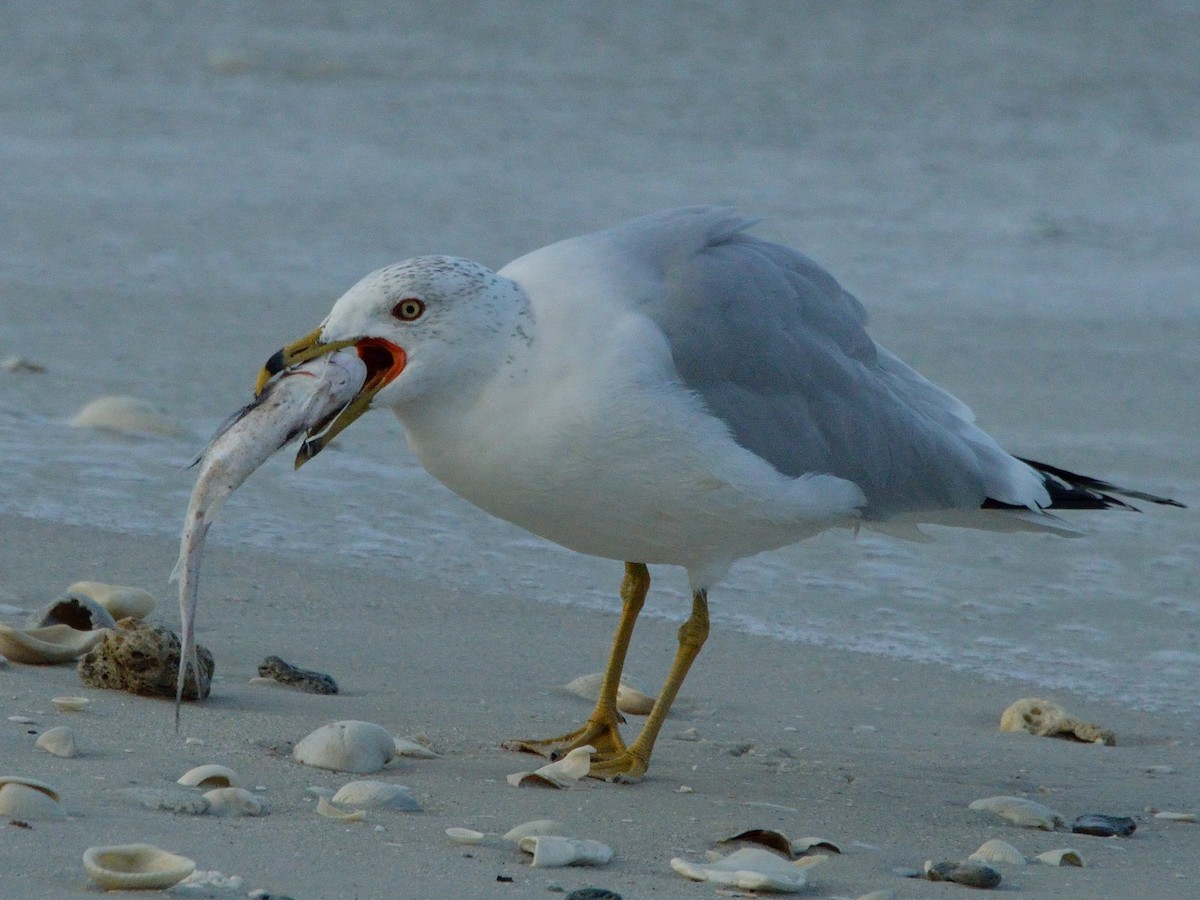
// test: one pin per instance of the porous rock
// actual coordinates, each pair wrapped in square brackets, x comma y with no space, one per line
[143,659]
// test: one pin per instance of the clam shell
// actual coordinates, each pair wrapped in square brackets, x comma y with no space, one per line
[561,774]
[1064,857]
[60,741]
[28,798]
[122,602]
[466,836]
[48,645]
[347,746]
[210,776]
[376,795]
[1019,811]
[749,869]
[413,750]
[552,851]
[533,828]
[135,867]
[998,851]
[234,801]
[629,698]
[70,704]
[329,811]
[77,610]
[130,415]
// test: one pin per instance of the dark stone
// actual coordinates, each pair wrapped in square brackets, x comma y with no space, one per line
[301,679]
[593,893]
[1104,826]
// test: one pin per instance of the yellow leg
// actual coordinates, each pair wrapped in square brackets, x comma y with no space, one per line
[630,764]
[600,730]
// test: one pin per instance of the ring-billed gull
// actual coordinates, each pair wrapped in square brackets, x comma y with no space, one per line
[672,390]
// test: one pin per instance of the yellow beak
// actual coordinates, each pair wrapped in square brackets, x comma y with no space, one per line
[384,362]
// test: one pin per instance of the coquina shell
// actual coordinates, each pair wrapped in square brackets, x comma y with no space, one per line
[347,746]
[127,867]
[28,798]
[998,851]
[210,776]
[121,601]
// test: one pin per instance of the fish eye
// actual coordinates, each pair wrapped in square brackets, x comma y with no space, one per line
[408,309]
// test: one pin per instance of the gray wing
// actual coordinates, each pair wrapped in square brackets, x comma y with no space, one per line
[779,351]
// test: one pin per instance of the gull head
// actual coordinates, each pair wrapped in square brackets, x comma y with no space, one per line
[423,327]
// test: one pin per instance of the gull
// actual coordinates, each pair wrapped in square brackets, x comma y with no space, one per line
[676,391]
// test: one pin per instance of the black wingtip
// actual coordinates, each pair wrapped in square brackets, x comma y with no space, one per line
[1070,490]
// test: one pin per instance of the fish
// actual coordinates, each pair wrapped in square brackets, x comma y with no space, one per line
[302,399]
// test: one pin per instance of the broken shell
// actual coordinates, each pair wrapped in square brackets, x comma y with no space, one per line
[329,811]
[534,828]
[998,851]
[176,800]
[1168,816]
[551,851]
[347,746]
[70,704]
[413,750]
[1020,811]
[376,795]
[1065,857]
[802,845]
[60,741]
[1101,825]
[561,774]
[210,776]
[762,837]
[749,869]
[122,602]
[135,867]
[77,610]
[234,801]
[28,798]
[467,836]
[1046,719]
[971,874]
[48,645]
[130,415]
[629,699]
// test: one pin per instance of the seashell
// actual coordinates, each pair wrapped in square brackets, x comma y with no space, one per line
[1065,857]
[1019,811]
[413,750]
[306,680]
[467,836]
[551,851]
[762,837]
[234,801]
[135,867]
[534,828]
[561,774]
[971,874]
[122,602]
[48,645]
[70,704]
[176,800]
[21,364]
[1168,816]
[210,776]
[1043,718]
[802,845]
[329,811]
[28,798]
[376,795]
[143,659]
[129,415]
[1103,826]
[998,851]
[629,699]
[77,610]
[347,746]
[60,741]
[749,869]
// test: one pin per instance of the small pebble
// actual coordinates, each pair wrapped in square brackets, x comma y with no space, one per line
[1104,826]
[593,893]
[971,874]
[305,680]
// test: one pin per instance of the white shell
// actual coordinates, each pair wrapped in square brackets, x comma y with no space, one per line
[210,776]
[135,867]
[376,795]
[551,851]
[413,750]
[171,799]
[70,704]
[998,851]
[131,415]
[329,811]
[60,741]
[122,602]
[533,828]
[1064,857]
[50,644]
[466,836]
[749,869]
[629,698]
[561,774]
[1169,816]
[234,801]
[1020,811]
[347,746]
[28,798]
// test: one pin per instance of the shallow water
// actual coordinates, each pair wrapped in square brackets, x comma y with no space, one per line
[1012,193]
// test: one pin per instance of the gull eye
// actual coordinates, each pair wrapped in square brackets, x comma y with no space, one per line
[408,309]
